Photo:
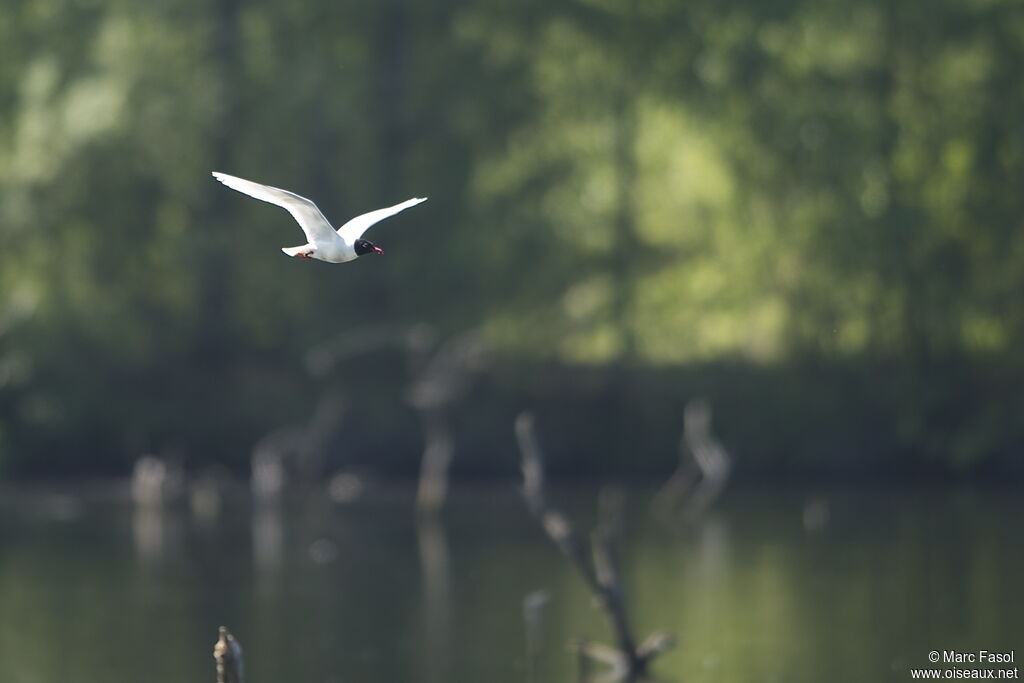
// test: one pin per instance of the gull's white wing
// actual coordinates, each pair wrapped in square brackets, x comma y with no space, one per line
[355,228]
[309,218]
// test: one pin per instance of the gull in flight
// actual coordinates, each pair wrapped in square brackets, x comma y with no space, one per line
[325,243]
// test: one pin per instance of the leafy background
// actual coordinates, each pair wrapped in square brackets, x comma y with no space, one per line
[808,212]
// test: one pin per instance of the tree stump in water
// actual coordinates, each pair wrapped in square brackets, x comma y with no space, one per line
[228,654]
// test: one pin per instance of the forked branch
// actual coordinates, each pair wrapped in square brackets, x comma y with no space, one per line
[703,470]
[598,567]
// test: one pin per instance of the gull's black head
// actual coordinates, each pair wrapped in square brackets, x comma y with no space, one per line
[367,247]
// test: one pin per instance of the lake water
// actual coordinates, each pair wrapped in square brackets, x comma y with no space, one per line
[785,585]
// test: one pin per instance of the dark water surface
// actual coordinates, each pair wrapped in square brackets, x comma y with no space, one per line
[771,585]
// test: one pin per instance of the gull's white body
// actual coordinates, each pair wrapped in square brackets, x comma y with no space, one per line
[325,243]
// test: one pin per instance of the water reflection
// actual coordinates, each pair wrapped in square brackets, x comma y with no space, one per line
[533,619]
[267,541]
[151,533]
[434,658]
[773,585]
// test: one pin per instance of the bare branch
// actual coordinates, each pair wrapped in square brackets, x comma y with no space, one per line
[438,381]
[304,446]
[607,572]
[532,464]
[228,654]
[704,465]
[437,457]
[599,653]
[323,358]
[446,375]
[599,568]
[655,644]
[561,531]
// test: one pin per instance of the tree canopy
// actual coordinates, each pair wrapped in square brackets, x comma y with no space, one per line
[634,184]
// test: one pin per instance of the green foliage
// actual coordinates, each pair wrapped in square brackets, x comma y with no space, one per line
[613,183]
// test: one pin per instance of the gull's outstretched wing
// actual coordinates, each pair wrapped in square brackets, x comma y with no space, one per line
[355,228]
[309,218]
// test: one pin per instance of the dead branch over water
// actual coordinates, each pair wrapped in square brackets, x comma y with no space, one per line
[439,380]
[703,470]
[441,372]
[599,568]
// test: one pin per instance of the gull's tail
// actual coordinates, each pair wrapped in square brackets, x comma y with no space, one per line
[295,251]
